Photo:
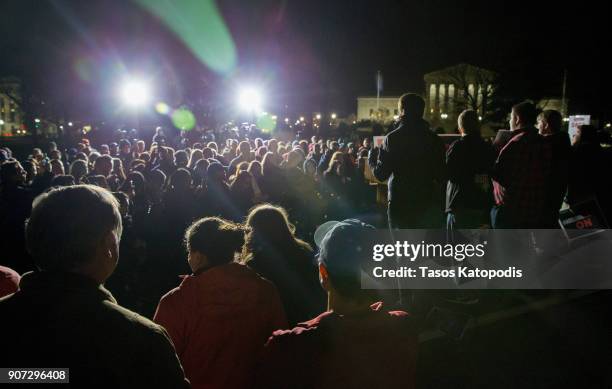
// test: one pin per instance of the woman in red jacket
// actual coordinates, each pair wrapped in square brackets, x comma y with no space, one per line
[220,316]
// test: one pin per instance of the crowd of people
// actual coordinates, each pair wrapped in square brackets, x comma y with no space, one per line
[259,304]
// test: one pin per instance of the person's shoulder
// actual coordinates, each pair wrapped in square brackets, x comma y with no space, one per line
[135,327]
[305,250]
[253,278]
[235,275]
[394,316]
[401,319]
[9,281]
[516,140]
[7,272]
[395,132]
[456,145]
[302,331]
[176,293]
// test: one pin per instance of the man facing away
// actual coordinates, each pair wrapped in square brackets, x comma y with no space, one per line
[412,158]
[468,163]
[356,343]
[549,126]
[522,175]
[62,316]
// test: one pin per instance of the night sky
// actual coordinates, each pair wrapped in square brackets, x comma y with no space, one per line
[309,55]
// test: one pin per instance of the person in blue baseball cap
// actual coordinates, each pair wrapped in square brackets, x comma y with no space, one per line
[339,257]
[355,343]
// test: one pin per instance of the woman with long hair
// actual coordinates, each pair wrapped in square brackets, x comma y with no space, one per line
[117,176]
[196,156]
[199,173]
[272,250]
[338,185]
[255,170]
[242,166]
[243,192]
[135,186]
[272,181]
[218,193]
[221,315]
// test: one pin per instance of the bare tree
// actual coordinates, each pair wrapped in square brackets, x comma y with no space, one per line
[475,87]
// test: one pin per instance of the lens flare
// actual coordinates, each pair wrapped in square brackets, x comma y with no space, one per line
[200,25]
[266,122]
[183,119]
[162,108]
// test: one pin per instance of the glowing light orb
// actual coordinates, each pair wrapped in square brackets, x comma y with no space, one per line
[183,119]
[135,93]
[266,122]
[162,108]
[250,100]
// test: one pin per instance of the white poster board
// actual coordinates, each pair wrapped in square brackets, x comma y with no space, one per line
[575,121]
[378,141]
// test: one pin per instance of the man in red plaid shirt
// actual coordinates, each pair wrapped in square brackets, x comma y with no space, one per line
[521,175]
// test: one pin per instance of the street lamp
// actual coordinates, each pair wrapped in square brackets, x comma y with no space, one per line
[318,116]
[333,116]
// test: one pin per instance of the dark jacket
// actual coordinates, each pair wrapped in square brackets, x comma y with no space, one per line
[68,320]
[585,179]
[561,155]
[15,208]
[292,271]
[468,163]
[412,158]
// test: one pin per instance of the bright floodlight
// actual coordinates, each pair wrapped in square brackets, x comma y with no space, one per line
[250,100]
[135,93]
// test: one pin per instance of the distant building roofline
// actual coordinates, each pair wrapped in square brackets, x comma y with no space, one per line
[446,70]
[381,97]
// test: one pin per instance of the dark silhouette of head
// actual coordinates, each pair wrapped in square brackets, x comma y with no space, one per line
[212,241]
[468,122]
[85,235]
[523,116]
[411,106]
